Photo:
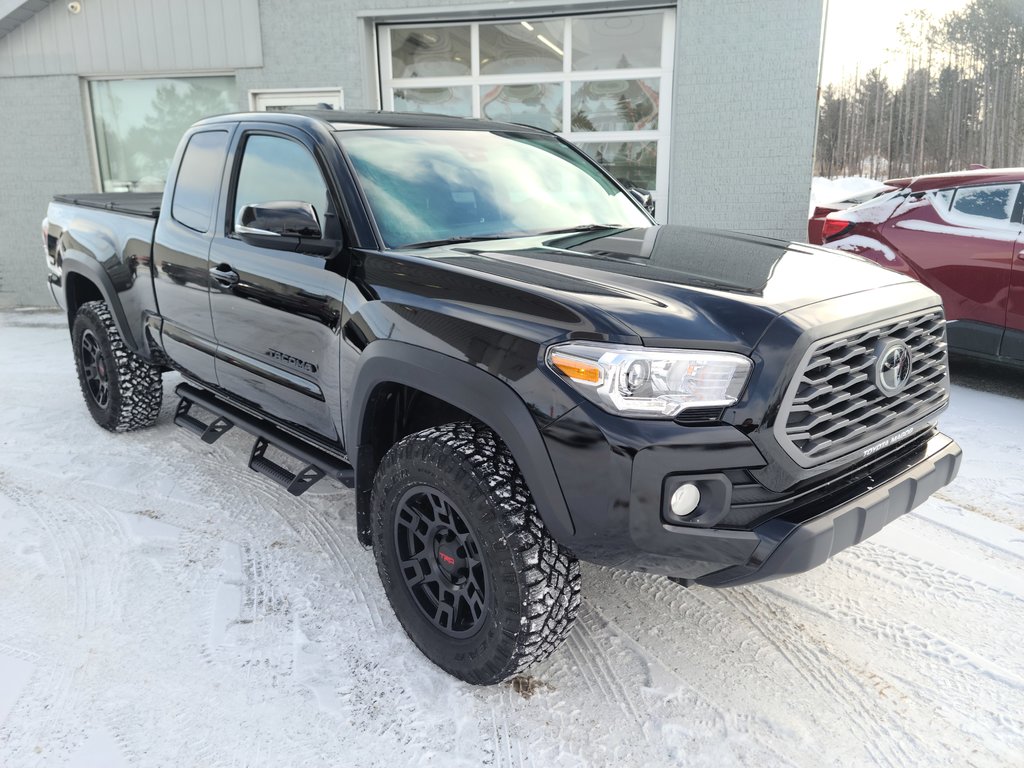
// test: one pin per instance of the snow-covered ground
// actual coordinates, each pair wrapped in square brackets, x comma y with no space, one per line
[162,605]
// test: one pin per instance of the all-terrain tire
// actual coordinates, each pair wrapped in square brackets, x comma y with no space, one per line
[123,391]
[530,583]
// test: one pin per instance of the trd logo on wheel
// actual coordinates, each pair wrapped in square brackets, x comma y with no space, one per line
[446,559]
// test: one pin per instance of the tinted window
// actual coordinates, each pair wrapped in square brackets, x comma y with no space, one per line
[198,182]
[277,169]
[994,202]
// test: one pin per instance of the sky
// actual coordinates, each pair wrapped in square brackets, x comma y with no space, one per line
[862,34]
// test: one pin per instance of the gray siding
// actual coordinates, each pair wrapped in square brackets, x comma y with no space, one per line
[43,151]
[744,115]
[110,37]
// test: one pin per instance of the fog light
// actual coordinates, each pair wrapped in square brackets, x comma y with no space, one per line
[684,500]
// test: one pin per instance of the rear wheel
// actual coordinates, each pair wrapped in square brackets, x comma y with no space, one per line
[122,391]
[475,579]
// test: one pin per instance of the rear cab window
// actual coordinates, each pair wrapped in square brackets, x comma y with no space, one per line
[198,182]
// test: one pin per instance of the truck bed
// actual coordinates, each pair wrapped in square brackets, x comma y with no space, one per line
[145,204]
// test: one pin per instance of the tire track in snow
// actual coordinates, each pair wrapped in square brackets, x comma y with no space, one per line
[181,557]
[824,669]
[336,546]
[787,657]
[918,657]
[687,722]
[929,595]
[902,568]
[54,697]
[594,664]
[506,752]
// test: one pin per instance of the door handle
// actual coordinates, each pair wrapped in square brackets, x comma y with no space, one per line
[224,275]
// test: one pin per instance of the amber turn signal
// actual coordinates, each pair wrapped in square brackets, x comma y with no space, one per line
[577,369]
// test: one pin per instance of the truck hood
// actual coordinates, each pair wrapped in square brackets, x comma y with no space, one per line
[673,285]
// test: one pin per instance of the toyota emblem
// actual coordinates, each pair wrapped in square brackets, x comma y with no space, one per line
[892,371]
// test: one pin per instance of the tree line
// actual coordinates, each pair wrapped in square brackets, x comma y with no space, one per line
[961,102]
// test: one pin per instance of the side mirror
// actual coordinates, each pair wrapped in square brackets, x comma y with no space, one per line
[283,218]
[642,196]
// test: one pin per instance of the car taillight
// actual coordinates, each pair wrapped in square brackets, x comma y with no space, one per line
[834,227]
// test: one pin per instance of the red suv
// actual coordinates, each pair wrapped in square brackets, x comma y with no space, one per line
[961,235]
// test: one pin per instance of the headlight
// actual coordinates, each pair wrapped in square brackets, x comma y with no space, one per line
[648,382]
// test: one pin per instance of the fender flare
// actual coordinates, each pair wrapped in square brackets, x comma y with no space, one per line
[473,390]
[74,262]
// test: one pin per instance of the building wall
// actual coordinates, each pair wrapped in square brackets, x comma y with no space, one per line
[745,114]
[743,103]
[124,36]
[43,150]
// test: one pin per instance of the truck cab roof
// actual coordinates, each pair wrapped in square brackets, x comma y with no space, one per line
[341,120]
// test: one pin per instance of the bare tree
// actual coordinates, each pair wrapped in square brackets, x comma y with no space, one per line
[961,100]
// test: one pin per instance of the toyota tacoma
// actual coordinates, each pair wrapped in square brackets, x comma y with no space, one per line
[491,340]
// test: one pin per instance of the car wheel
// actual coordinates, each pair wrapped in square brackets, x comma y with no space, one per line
[123,391]
[475,579]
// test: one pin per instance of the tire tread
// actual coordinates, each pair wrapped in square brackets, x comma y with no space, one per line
[548,575]
[138,395]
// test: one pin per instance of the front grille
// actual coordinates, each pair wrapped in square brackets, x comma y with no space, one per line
[834,407]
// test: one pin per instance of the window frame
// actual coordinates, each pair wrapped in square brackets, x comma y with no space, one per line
[238,155]
[567,77]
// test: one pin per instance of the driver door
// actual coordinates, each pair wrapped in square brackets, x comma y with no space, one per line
[276,313]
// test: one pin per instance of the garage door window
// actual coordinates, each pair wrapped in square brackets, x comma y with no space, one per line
[597,80]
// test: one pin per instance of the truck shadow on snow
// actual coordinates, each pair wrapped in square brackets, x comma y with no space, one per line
[986,376]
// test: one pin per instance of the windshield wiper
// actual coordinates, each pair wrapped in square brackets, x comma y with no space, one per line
[582,228]
[453,240]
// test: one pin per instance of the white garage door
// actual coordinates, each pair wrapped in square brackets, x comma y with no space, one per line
[602,81]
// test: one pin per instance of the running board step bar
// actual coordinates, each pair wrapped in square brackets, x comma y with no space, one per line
[296,483]
[317,463]
[209,433]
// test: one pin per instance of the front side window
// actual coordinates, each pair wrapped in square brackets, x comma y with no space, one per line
[138,123]
[425,185]
[276,169]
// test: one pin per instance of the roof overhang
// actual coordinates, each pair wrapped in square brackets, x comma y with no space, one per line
[14,13]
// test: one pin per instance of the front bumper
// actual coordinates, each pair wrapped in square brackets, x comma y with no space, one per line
[614,474]
[806,538]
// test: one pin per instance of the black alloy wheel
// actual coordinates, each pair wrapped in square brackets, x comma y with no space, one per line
[95,369]
[121,390]
[440,560]
[474,577]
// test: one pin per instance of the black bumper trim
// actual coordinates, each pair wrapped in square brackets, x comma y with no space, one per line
[799,542]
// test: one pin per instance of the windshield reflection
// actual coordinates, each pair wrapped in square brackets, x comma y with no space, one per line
[437,185]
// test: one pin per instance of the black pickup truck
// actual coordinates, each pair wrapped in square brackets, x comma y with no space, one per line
[491,340]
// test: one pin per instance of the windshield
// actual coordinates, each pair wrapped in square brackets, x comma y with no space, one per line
[427,186]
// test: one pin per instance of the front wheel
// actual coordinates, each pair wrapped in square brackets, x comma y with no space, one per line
[475,579]
[123,391]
